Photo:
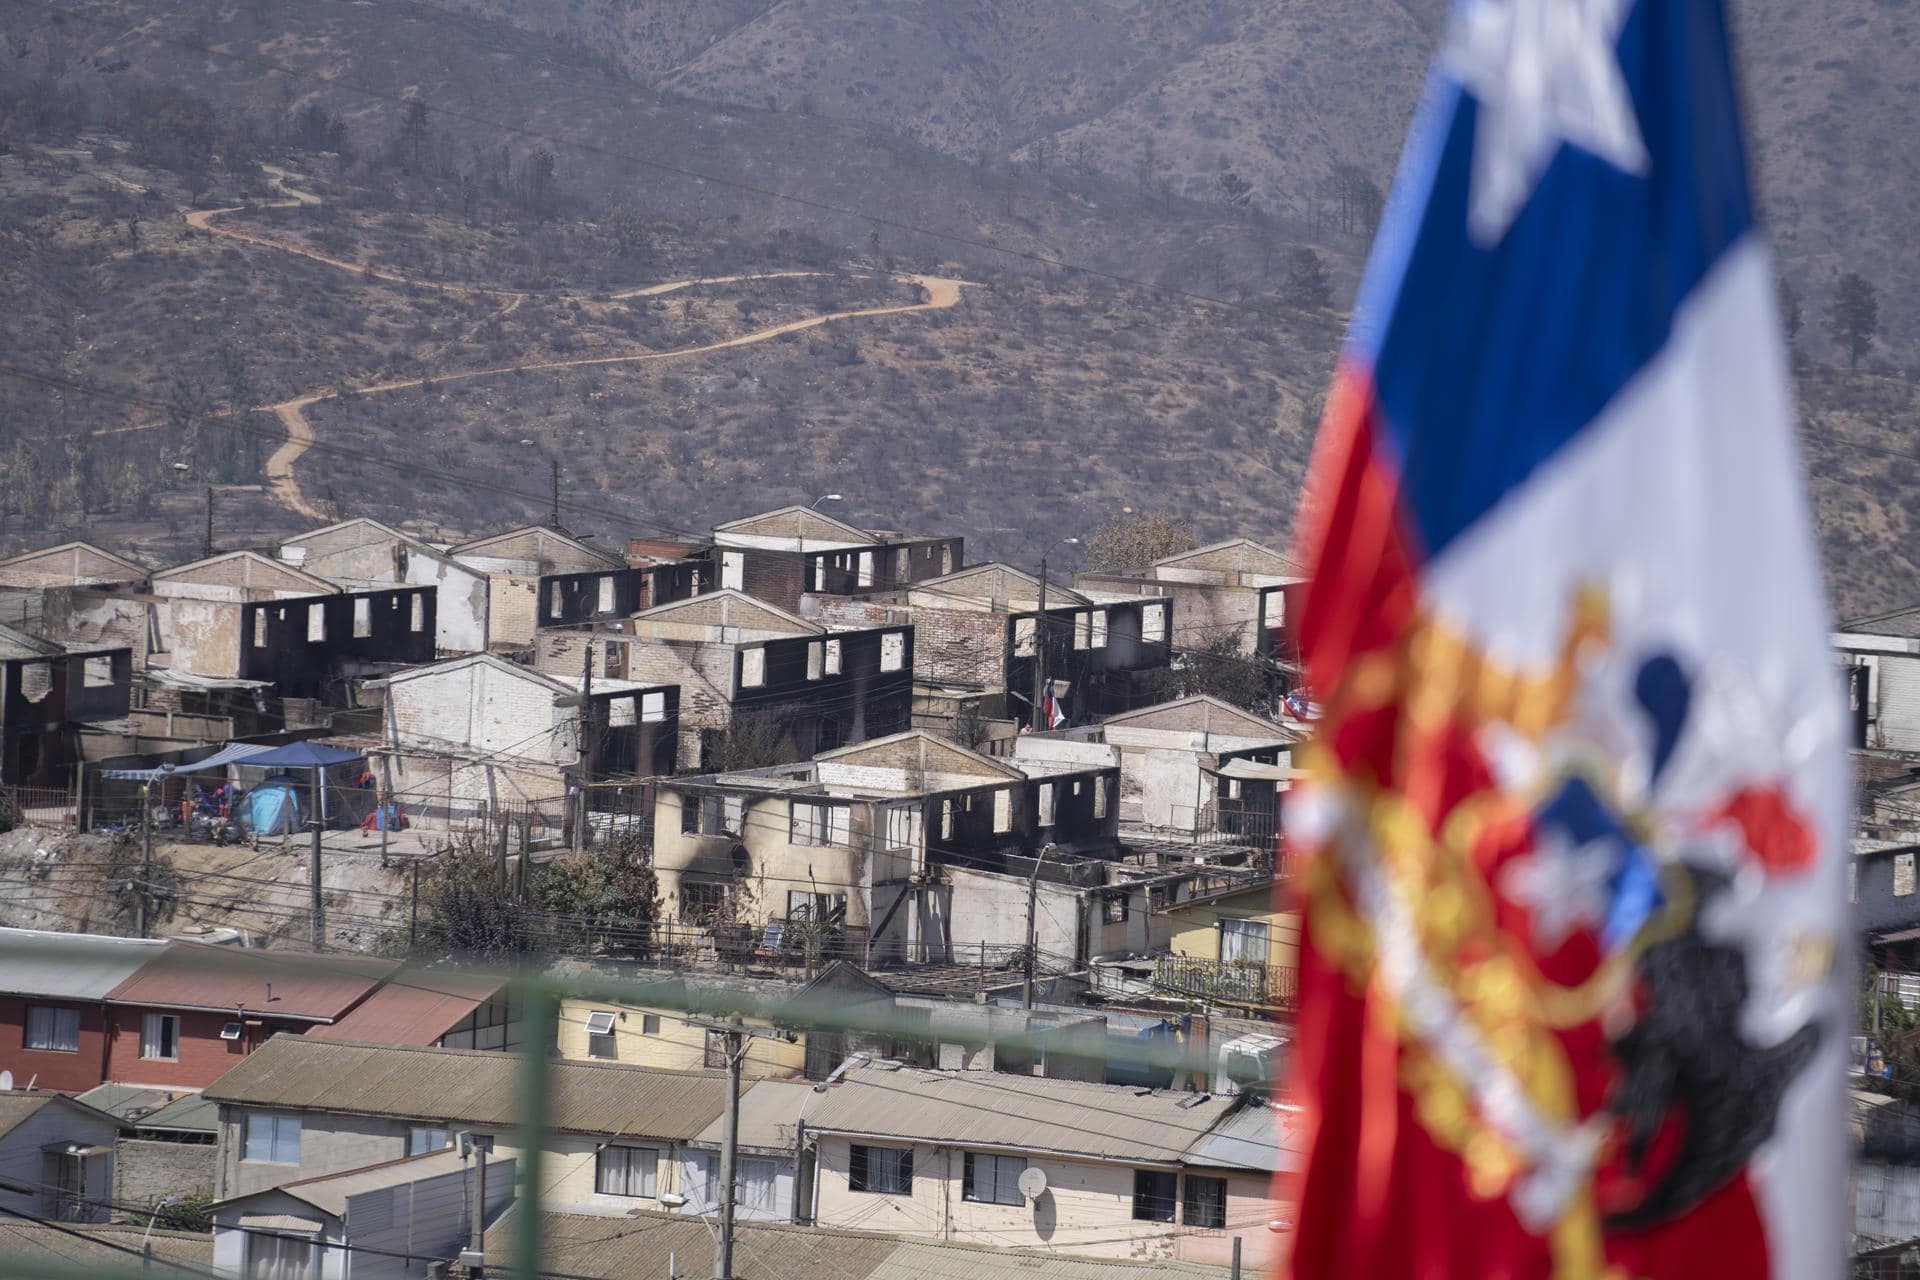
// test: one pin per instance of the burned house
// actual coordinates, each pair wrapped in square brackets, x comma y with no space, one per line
[1237,587]
[606,594]
[779,556]
[365,555]
[886,844]
[1097,658]
[77,595]
[514,562]
[756,682]
[49,697]
[473,735]
[314,646]
[200,609]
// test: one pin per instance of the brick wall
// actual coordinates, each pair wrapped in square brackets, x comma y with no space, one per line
[703,672]
[203,1056]
[950,646]
[147,1172]
[68,1072]
[478,706]
[513,602]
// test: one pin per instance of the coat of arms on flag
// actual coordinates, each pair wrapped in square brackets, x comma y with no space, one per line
[1573,992]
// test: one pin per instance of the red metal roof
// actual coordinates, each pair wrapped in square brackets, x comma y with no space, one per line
[414,1008]
[273,984]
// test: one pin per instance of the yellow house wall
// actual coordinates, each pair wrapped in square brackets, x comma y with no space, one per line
[567,1175]
[679,1045]
[1196,930]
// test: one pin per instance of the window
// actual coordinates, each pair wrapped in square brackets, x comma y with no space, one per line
[1273,609]
[701,901]
[1853,881]
[753,668]
[362,617]
[160,1037]
[992,1179]
[946,819]
[1082,630]
[653,708]
[603,593]
[689,815]
[893,651]
[1206,1202]
[733,570]
[259,628]
[417,621]
[1002,811]
[231,1030]
[816,654]
[1243,941]
[316,623]
[1100,786]
[1153,1195]
[272,1256]
[1115,908]
[1153,622]
[1023,637]
[553,600]
[649,1024]
[820,824]
[902,565]
[903,828]
[96,673]
[600,1035]
[424,1138]
[272,1139]
[1046,803]
[1099,624]
[759,1185]
[1902,875]
[946,559]
[53,1030]
[626,1171]
[832,665]
[886,1171]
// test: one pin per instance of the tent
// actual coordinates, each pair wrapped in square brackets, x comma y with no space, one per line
[315,757]
[273,807]
[232,753]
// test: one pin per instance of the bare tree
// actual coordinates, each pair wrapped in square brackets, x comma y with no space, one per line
[1853,317]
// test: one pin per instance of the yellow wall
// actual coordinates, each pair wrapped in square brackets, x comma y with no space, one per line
[1196,926]
[677,1045]
[567,1175]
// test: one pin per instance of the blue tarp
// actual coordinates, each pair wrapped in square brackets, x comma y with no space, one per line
[304,755]
[273,807]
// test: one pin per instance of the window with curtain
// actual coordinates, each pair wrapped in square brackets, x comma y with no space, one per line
[759,1185]
[1243,941]
[160,1037]
[424,1138]
[886,1171]
[992,1179]
[1206,1202]
[53,1029]
[626,1171]
[272,1139]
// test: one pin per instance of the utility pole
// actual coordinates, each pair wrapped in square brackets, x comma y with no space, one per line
[317,924]
[146,860]
[1033,890]
[586,746]
[1040,724]
[480,1146]
[553,517]
[206,543]
[729,1152]
[413,919]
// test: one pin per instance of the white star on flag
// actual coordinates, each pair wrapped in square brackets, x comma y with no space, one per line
[1544,73]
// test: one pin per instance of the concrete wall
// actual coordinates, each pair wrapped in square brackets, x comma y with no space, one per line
[480,707]
[328,1144]
[676,1044]
[773,867]
[1196,929]
[461,600]
[988,907]
[202,636]
[567,1174]
[148,1171]
[1087,1208]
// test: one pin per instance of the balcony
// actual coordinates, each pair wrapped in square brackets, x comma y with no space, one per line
[1244,983]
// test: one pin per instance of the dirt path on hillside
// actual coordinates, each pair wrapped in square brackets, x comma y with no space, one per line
[941,293]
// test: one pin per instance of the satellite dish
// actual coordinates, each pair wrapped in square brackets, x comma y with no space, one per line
[1032,1183]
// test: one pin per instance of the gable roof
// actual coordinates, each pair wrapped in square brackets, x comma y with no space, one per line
[929,744]
[95,1248]
[951,582]
[468,1086]
[303,986]
[15,643]
[1894,622]
[492,541]
[1244,554]
[70,966]
[800,516]
[1020,1113]
[384,530]
[502,665]
[321,587]
[730,600]
[132,570]
[416,1007]
[17,1106]
[1219,717]
[329,1192]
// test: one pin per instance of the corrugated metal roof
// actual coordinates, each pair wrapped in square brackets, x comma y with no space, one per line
[105,1247]
[69,966]
[469,1086]
[415,1007]
[329,1193]
[173,1110]
[636,1247]
[313,988]
[191,1113]
[1254,1138]
[1030,1113]
[18,1105]
[768,1111]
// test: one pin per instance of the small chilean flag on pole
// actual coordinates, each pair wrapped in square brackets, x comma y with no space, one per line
[1574,993]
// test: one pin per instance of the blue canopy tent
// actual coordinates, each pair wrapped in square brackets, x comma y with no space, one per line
[232,753]
[316,758]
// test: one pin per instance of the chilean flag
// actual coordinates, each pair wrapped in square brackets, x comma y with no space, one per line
[1573,973]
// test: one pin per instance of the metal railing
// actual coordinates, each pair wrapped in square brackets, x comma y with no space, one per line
[1244,983]
[23,806]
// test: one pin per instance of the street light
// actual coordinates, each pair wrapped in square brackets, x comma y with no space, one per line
[1040,640]
[825,497]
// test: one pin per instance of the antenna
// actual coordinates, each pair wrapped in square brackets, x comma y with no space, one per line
[206,544]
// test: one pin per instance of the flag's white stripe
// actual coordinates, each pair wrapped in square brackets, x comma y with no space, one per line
[1686,501]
